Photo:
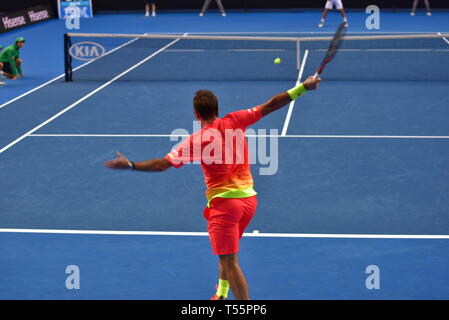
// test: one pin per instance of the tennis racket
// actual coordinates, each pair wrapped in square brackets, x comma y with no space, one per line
[333,48]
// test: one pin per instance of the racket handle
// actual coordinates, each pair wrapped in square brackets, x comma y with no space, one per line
[315,75]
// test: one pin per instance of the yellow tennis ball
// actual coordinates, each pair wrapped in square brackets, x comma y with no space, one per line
[277,60]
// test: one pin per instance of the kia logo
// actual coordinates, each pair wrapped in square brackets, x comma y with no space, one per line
[86,51]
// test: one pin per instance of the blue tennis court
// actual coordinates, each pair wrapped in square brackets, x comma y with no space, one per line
[361,166]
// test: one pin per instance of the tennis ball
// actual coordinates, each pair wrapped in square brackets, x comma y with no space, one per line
[277,60]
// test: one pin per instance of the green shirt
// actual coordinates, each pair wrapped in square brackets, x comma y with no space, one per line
[11,54]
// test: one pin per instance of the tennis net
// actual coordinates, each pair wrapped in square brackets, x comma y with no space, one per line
[151,57]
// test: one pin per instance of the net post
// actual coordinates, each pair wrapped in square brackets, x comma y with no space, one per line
[67,58]
[298,55]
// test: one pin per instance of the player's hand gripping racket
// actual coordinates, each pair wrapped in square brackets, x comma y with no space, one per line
[333,48]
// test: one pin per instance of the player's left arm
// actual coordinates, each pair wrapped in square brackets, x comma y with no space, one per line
[153,165]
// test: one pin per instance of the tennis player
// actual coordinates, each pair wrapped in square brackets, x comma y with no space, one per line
[415,4]
[330,4]
[231,197]
[148,4]
[206,5]
[10,63]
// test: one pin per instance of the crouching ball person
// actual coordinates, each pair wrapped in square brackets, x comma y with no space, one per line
[10,62]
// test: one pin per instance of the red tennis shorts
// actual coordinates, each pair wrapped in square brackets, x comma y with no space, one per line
[227,220]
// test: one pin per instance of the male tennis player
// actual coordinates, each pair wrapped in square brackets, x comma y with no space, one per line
[231,197]
[10,63]
[415,4]
[329,6]
[206,5]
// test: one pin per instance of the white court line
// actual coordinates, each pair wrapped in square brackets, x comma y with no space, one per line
[62,75]
[88,95]
[258,50]
[292,104]
[310,32]
[385,50]
[305,136]
[232,50]
[253,234]
[447,41]
[185,50]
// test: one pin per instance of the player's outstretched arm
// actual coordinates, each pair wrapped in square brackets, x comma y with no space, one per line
[153,165]
[284,98]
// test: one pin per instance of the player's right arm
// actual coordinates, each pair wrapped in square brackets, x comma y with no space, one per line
[282,99]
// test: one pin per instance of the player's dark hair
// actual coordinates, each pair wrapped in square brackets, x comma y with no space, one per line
[205,104]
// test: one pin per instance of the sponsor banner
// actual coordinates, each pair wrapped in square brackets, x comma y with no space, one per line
[81,8]
[19,19]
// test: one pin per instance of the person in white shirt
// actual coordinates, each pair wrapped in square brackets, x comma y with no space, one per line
[415,4]
[206,5]
[330,4]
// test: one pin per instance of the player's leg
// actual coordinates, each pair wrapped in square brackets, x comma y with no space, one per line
[345,18]
[222,288]
[339,6]
[248,206]
[147,9]
[153,9]
[329,5]
[415,4]
[323,18]
[205,6]
[427,7]
[227,220]
[220,6]
[236,278]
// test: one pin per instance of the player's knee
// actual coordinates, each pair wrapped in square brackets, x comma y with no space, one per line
[19,62]
[229,261]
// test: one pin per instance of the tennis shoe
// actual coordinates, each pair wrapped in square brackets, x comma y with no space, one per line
[215,297]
